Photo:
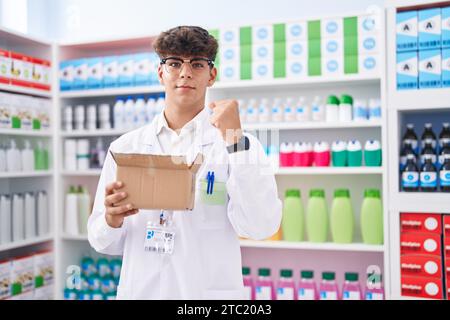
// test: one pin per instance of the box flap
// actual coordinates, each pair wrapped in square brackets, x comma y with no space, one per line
[197,163]
[150,161]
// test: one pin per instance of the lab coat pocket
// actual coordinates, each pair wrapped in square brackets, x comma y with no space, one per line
[212,207]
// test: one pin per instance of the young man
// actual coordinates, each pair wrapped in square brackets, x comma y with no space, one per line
[206,258]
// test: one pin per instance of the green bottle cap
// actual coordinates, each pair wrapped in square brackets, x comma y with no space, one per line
[333,100]
[319,193]
[293,193]
[286,273]
[307,274]
[351,276]
[372,193]
[328,275]
[346,99]
[264,272]
[245,271]
[341,193]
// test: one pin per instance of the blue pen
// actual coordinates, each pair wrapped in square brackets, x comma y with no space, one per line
[212,182]
[208,179]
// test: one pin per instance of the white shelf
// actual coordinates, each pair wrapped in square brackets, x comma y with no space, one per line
[424,99]
[94,133]
[25,243]
[310,125]
[421,202]
[27,91]
[308,82]
[111,92]
[328,170]
[327,246]
[26,133]
[74,238]
[26,174]
[85,173]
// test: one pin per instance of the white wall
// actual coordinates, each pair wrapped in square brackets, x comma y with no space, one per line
[79,20]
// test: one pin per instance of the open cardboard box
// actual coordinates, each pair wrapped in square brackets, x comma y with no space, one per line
[157,181]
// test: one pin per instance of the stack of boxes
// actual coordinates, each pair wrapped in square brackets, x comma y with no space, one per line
[328,47]
[109,72]
[27,278]
[21,70]
[423,49]
[446,222]
[421,257]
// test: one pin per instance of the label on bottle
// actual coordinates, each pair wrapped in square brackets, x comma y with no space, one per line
[285,294]
[410,179]
[433,158]
[412,142]
[445,178]
[306,294]
[374,296]
[351,295]
[433,143]
[248,293]
[263,293]
[428,179]
[328,295]
[441,159]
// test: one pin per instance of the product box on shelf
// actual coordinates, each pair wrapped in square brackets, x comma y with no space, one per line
[5,66]
[66,75]
[446,67]
[5,279]
[369,44]
[262,52]
[262,70]
[297,68]
[429,28]
[41,74]
[420,243]
[142,69]
[407,70]
[407,31]
[229,54]
[332,28]
[445,27]
[297,50]
[94,73]
[43,293]
[229,36]
[43,268]
[368,64]
[110,72]
[419,222]
[296,31]
[430,69]
[369,24]
[421,287]
[80,74]
[446,226]
[22,275]
[333,66]
[421,266]
[126,70]
[21,69]
[229,72]
[262,34]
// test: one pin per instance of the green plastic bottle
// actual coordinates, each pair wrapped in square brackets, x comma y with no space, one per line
[372,217]
[317,216]
[292,223]
[342,219]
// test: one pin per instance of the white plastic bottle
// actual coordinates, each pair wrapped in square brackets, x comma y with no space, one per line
[160,103]
[27,157]
[91,119]
[332,109]
[18,218]
[82,154]
[151,108]
[277,110]
[71,213]
[346,109]
[317,110]
[252,111]
[141,112]
[5,219]
[13,161]
[119,114]
[360,110]
[2,158]
[130,113]
[302,111]
[264,111]
[68,118]
[80,117]
[42,214]
[84,203]
[374,109]
[289,110]
[104,111]
[30,215]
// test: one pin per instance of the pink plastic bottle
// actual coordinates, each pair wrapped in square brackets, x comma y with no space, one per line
[328,288]
[286,154]
[286,286]
[374,287]
[307,287]
[321,154]
[299,154]
[351,289]
[264,288]
[248,284]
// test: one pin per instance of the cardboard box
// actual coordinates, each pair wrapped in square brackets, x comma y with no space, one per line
[41,74]
[430,29]
[262,34]
[332,28]
[407,31]
[421,266]
[229,72]
[447,249]
[430,71]
[445,25]
[5,279]
[229,54]
[229,36]
[296,31]
[5,66]
[94,73]
[422,287]
[420,243]
[157,181]
[66,73]
[43,268]
[126,70]
[110,72]
[142,69]
[21,70]
[446,226]
[297,68]
[296,50]
[368,64]
[407,70]
[22,275]
[446,67]
[80,74]
[419,222]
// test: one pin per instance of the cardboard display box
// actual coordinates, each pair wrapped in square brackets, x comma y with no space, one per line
[157,181]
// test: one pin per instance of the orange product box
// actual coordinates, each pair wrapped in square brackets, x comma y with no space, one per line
[5,66]
[446,225]
[419,222]
[41,74]
[421,266]
[422,287]
[21,70]
[447,249]
[420,243]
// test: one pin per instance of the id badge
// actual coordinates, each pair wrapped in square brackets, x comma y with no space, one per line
[159,238]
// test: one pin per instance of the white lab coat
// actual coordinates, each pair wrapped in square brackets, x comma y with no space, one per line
[206,262]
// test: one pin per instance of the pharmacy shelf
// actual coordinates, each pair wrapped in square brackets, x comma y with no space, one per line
[93,133]
[26,91]
[308,82]
[421,202]
[82,173]
[74,237]
[26,174]
[25,243]
[111,92]
[328,246]
[26,133]
[426,99]
[310,125]
[328,170]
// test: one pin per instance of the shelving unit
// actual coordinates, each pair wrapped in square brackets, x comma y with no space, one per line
[25,243]
[26,174]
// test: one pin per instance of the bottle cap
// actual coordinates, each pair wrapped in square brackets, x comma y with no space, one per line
[328,275]
[333,100]
[293,193]
[307,274]
[342,193]
[346,99]
[318,193]
[351,276]
[372,193]
[286,273]
[264,272]
[410,126]
[245,271]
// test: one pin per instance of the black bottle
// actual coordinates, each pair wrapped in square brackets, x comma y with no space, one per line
[428,175]
[410,136]
[445,133]
[429,150]
[406,150]
[410,175]
[428,134]
[444,150]
[444,175]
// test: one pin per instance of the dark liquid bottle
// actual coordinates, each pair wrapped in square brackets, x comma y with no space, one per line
[406,150]
[410,175]
[444,175]
[428,176]
[428,135]
[445,134]
[410,136]
[428,150]
[444,150]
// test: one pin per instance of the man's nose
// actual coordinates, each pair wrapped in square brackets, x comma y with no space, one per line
[186,71]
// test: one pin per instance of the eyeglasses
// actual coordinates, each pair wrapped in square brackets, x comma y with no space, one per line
[173,65]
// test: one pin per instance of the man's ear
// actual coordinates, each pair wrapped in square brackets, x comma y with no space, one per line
[212,76]
[160,74]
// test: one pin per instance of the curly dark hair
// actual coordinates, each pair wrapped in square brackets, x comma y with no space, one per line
[186,41]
